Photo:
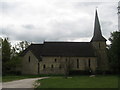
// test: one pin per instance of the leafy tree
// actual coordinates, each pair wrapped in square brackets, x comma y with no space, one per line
[15,62]
[6,53]
[21,46]
[114,51]
[11,61]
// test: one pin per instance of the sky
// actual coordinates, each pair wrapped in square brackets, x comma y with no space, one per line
[56,20]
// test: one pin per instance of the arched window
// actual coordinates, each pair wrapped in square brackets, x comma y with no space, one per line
[29,59]
[44,66]
[89,62]
[99,45]
[60,67]
[66,60]
[55,60]
[38,68]
[77,63]
[52,66]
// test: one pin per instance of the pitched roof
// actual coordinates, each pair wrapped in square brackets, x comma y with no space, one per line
[82,49]
[97,30]
[36,49]
[78,49]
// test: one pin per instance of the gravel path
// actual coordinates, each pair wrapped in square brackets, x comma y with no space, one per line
[24,83]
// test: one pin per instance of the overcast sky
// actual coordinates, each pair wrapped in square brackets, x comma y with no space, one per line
[55,20]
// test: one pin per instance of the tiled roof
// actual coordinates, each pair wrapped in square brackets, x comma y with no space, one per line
[77,49]
[36,49]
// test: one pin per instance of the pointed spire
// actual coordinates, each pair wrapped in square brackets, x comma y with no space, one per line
[97,30]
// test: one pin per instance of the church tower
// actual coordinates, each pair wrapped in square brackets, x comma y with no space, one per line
[99,44]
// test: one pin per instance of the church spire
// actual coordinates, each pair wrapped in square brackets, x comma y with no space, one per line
[97,30]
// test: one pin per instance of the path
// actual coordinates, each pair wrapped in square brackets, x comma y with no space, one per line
[24,83]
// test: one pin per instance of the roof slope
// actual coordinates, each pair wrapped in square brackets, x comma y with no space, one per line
[77,49]
[82,49]
[36,49]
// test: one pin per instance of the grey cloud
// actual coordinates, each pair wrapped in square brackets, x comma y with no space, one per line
[8,7]
[59,29]
[79,4]
[29,26]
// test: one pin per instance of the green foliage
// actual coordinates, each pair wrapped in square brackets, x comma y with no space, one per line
[80,82]
[114,51]
[21,46]
[11,61]
[6,48]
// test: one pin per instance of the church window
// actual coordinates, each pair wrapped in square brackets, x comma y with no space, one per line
[29,59]
[77,63]
[59,66]
[44,66]
[55,60]
[89,63]
[99,45]
[38,68]
[66,60]
[52,66]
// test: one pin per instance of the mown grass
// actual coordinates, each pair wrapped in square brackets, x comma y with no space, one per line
[80,82]
[15,77]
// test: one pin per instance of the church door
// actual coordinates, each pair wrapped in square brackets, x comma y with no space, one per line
[38,68]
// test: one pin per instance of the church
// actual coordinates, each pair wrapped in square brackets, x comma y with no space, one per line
[60,57]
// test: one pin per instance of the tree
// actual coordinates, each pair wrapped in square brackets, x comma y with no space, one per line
[15,62]
[114,52]
[6,53]
[11,62]
[21,46]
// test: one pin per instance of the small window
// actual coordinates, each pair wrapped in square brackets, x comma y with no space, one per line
[29,59]
[77,63]
[44,66]
[52,66]
[55,60]
[66,60]
[38,68]
[99,45]
[89,62]
[60,67]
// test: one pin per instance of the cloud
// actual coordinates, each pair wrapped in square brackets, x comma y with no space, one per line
[40,20]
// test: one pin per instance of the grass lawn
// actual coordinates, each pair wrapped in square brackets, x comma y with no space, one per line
[13,77]
[80,82]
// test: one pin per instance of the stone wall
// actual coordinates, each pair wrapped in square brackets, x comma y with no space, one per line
[101,53]
[56,65]
[29,64]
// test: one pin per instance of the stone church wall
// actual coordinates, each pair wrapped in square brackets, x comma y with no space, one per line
[29,64]
[101,53]
[55,65]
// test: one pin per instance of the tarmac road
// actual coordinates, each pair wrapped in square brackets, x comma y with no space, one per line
[24,83]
